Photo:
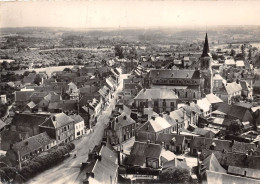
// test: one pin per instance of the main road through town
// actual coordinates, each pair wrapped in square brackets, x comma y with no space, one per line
[67,171]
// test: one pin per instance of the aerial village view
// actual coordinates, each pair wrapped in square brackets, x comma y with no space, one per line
[112,92]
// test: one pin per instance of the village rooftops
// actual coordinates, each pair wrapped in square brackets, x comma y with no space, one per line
[211,163]
[32,144]
[57,121]
[141,151]
[156,94]
[213,99]
[232,88]
[155,124]
[175,74]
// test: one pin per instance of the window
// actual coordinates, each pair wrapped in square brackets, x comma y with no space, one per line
[156,103]
[58,137]
[172,104]
[164,103]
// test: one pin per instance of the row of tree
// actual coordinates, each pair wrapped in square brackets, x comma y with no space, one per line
[40,163]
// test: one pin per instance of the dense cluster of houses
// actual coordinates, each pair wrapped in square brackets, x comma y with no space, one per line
[200,119]
[174,112]
[60,109]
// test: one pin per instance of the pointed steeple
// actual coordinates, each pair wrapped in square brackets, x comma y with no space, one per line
[205,52]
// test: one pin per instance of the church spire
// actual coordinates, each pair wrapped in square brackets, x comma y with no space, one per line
[205,52]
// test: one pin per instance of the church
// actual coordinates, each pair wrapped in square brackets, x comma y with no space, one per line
[188,84]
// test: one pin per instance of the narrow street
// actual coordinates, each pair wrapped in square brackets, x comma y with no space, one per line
[67,171]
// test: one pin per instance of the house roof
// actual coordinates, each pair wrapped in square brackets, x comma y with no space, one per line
[232,87]
[31,104]
[250,173]
[104,170]
[168,138]
[22,96]
[211,163]
[2,124]
[141,151]
[213,99]
[240,63]
[77,118]
[156,94]
[180,74]
[204,104]
[216,177]
[57,121]
[175,163]
[230,62]
[20,119]
[125,120]
[244,105]
[155,125]
[30,78]
[256,83]
[33,143]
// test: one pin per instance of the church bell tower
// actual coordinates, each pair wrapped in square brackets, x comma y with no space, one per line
[205,68]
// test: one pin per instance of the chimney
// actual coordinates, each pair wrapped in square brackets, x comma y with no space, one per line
[118,157]
[99,157]
[90,174]
[232,143]
[237,81]
[161,115]
[153,117]
[148,141]
[53,118]
[124,117]
[103,143]
[26,143]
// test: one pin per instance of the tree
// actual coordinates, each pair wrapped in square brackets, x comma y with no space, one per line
[80,56]
[243,50]
[250,54]
[236,127]
[233,53]
[119,51]
[37,79]
[67,70]
[3,110]
[26,73]
[175,175]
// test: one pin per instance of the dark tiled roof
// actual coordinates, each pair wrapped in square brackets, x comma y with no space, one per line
[57,121]
[244,104]
[103,170]
[211,163]
[77,118]
[180,74]
[32,144]
[175,163]
[141,151]
[20,119]
[22,96]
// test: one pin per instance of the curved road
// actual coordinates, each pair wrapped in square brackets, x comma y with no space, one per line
[67,171]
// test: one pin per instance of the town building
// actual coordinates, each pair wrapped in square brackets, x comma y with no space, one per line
[161,100]
[59,127]
[79,125]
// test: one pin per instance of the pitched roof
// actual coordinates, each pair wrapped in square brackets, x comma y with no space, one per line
[175,74]
[175,163]
[250,173]
[77,118]
[57,121]
[141,151]
[32,144]
[213,99]
[22,96]
[2,124]
[256,83]
[211,163]
[204,104]
[232,87]
[104,170]
[155,125]
[244,105]
[156,94]
[20,119]
[216,177]
[240,63]
[124,120]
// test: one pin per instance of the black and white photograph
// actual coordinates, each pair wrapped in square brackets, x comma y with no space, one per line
[129,92]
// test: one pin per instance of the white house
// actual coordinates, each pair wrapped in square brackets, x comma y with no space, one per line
[78,125]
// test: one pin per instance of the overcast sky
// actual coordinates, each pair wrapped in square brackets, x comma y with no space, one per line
[98,14]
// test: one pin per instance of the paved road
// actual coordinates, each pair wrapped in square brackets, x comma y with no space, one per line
[67,171]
